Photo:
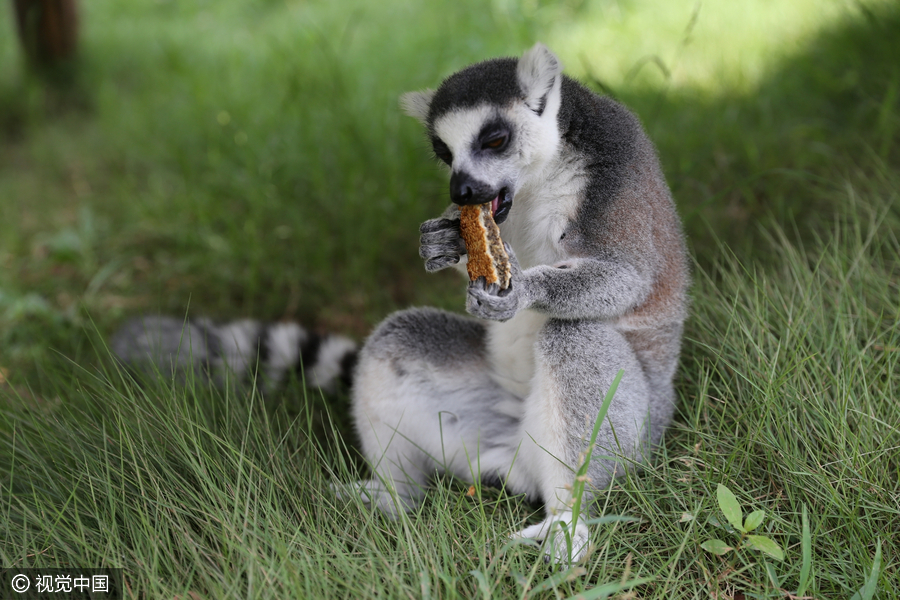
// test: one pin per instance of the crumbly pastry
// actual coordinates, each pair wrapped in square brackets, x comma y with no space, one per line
[487,256]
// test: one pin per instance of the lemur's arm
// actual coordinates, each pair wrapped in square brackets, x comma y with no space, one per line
[578,288]
[585,288]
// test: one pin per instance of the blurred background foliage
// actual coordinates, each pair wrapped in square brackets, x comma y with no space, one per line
[249,158]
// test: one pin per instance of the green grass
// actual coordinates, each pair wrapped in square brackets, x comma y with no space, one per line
[249,159]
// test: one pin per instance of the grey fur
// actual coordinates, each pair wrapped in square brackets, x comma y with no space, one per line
[599,284]
[159,343]
[440,244]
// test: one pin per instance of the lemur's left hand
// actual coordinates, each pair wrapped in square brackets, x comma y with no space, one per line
[488,301]
[440,244]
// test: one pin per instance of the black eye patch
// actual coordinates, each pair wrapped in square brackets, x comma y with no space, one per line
[494,136]
[441,151]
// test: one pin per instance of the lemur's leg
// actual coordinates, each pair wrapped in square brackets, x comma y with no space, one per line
[576,364]
[424,401]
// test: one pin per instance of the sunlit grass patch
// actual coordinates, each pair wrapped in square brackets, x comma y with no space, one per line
[713,47]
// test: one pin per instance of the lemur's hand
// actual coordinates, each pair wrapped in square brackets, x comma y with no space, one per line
[488,301]
[440,244]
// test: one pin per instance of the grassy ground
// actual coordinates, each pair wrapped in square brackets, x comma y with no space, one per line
[248,159]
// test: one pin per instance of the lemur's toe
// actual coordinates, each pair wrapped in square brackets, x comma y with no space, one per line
[562,545]
[533,532]
[559,551]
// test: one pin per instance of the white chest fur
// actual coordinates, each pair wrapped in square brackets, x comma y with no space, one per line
[545,202]
[511,350]
[543,206]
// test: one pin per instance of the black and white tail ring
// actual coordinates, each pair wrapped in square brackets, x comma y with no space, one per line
[240,349]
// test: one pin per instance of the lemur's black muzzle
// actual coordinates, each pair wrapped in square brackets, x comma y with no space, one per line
[464,190]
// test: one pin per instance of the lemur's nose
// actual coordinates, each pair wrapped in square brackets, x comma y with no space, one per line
[464,189]
[460,188]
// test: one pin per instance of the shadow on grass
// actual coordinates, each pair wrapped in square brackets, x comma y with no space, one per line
[827,114]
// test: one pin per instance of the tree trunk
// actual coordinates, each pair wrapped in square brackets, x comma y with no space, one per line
[48,30]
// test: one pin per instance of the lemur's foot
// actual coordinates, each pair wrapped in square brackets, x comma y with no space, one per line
[563,545]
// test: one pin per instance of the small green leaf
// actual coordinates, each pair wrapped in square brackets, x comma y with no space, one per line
[716,547]
[608,589]
[867,592]
[773,577]
[558,579]
[482,583]
[764,544]
[754,520]
[806,552]
[730,506]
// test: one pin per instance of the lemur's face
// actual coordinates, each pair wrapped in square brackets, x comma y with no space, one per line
[492,150]
[494,124]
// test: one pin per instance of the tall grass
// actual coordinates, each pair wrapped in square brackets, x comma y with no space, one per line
[239,159]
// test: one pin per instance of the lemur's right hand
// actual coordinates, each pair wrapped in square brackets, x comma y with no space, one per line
[440,244]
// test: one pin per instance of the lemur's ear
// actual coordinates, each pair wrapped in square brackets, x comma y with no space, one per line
[416,104]
[537,71]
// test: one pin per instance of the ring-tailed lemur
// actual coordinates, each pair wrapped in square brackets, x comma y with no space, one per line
[599,284]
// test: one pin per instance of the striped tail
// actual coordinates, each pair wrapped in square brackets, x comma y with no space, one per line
[241,349]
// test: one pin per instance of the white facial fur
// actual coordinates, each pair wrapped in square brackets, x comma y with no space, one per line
[534,137]
[534,140]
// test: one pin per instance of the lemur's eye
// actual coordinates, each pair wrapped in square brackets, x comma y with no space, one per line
[442,151]
[495,143]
